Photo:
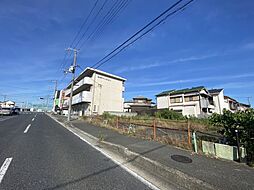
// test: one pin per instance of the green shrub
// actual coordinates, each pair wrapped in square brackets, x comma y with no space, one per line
[169,114]
[107,115]
[243,121]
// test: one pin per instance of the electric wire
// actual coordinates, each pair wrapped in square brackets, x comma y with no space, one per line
[121,47]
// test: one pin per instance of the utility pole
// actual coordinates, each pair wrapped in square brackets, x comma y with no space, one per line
[55,81]
[72,70]
[248,98]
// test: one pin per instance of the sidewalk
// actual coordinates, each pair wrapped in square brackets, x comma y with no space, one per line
[221,174]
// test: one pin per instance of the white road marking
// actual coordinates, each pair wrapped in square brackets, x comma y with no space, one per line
[25,131]
[4,168]
[133,173]
[33,119]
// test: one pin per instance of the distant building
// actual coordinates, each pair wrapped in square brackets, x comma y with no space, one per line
[225,102]
[138,104]
[243,107]
[95,92]
[7,104]
[194,101]
[56,103]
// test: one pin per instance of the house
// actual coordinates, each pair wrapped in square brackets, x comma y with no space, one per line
[225,102]
[243,107]
[95,92]
[138,104]
[194,101]
[7,104]
[218,100]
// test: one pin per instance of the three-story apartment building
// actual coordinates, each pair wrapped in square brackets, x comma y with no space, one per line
[95,92]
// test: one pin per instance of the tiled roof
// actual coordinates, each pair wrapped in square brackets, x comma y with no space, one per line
[181,91]
[214,91]
[165,93]
[141,97]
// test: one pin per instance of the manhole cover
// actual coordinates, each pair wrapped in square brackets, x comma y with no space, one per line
[180,158]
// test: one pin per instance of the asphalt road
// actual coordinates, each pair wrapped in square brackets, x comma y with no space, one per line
[38,153]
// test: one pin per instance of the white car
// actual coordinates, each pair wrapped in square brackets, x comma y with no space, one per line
[5,111]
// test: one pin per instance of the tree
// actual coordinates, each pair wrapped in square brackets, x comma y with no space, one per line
[243,121]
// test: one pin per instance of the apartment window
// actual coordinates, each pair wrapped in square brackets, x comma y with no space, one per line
[176,100]
[94,108]
[191,98]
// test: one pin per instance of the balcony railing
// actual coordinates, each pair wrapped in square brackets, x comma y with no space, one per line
[84,96]
[80,86]
[84,81]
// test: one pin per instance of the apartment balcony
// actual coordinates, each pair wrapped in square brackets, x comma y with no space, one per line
[85,82]
[67,92]
[82,85]
[84,97]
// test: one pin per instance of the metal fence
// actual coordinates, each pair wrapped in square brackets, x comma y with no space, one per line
[177,133]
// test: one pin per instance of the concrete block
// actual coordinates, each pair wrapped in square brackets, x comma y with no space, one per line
[225,151]
[208,147]
[228,152]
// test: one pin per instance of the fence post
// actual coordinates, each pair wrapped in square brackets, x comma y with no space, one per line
[154,129]
[238,146]
[195,142]
[189,133]
[117,122]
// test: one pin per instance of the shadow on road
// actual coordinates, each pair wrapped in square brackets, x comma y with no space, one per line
[101,171]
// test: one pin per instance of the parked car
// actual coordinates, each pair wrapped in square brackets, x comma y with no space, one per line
[6,111]
[15,111]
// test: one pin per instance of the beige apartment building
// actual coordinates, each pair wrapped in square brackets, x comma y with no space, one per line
[95,92]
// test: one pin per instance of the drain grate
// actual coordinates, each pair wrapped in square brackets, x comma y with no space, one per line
[182,159]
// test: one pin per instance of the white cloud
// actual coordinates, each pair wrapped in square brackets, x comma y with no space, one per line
[235,85]
[249,46]
[201,79]
[159,64]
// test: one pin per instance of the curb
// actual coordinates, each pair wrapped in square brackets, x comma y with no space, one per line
[154,172]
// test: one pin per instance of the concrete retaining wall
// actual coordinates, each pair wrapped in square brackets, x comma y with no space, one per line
[222,150]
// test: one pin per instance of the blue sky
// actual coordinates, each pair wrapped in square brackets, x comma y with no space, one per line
[211,43]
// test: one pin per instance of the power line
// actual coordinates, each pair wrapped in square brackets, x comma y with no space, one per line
[114,10]
[113,16]
[123,46]
[138,32]
[63,64]
[91,23]
[84,23]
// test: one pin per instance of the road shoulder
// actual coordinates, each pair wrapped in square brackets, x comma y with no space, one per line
[155,174]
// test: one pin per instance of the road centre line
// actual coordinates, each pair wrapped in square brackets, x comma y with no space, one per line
[27,128]
[33,119]
[4,168]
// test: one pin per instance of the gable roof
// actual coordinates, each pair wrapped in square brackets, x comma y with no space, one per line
[141,98]
[227,97]
[215,91]
[181,91]
[164,93]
